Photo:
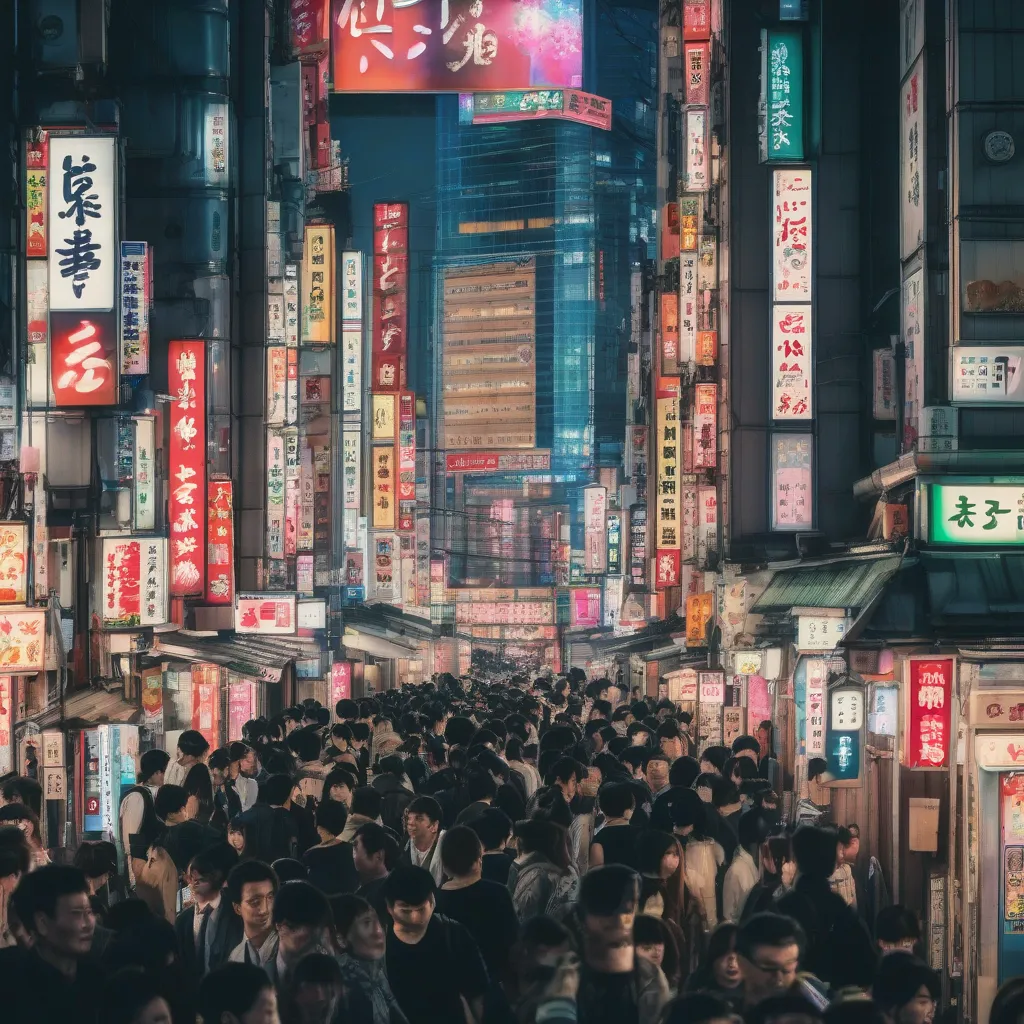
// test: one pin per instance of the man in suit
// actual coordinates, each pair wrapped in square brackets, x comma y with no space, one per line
[210,929]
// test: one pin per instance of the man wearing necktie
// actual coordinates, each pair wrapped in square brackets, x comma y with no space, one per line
[209,929]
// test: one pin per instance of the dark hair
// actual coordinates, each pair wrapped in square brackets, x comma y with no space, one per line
[127,914]
[374,838]
[721,942]
[897,924]
[290,870]
[39,891]
[480,785]
[608,889]
[782,1005]
[493,826]
[347,908]
[366,801]
[426,805]
[219,759]
[193,743]
[650,930]
[615,798]
[391,765]
[246,872]
[1008,1004]
[19,812]
[199,784]
[317,969]
[146,941]
[816,766]
[301,903]
[897,980]
[215,862]
[746,742]
[15,853]
[129,991]
[460,850]
[651,846]
[544,932]
[635,757]
[683,771]
[23,790]
[238,751]
[696,1008]
[538,835]
[96,859]
[716,755]
[563,770]
[152,763]
[341,731]
[231,988]
[305,744]
[768,929]
[331,816]
[409,884]
[169,799]
[340,775]
[724,793]
[815,851]
[275,790]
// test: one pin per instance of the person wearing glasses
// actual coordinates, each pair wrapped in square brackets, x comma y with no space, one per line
[770,948]
[251,888]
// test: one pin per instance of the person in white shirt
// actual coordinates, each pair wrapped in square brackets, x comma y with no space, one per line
[252,886]
[246,788]
[136,810]
[423,826]
[193,749]
[743,873]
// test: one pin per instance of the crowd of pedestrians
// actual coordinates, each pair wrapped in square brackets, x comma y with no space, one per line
[532,852]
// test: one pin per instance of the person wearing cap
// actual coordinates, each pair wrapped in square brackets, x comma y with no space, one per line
[615,984]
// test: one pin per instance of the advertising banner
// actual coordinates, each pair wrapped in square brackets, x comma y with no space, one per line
[791,234]
[973,514]
[666,533]
[310,27]
[912,316]
[22,640]
[781,107]
[220,544]
[13,563]
[697,73]
[383,426]
[317,291]
[83,359]
[987,374]
[277,377]
[82,253]
[792,481]
[291,305]
[407,464]
[912,158]
[352,289]
[595,507]
[585,607]
[669,334]
[383,461]
[341,682]
[390,295]
[36,162]
[929,719]
[134,582]
[351,451]
[483,45]
[638,546]
[696,167]
[275,494]
[705,426]
[186,503]
[687,307]
[531,104]
[696,19]
[667,564]
[707,522]
[498,462]
[265,613]
[792,360]
[136,294]
[352,370]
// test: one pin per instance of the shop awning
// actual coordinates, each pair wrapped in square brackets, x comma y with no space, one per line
[260,658]
[378,646]
[655,635]
[98,707]
[852,583]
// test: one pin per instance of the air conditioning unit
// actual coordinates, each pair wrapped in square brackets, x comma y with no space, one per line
[69,33]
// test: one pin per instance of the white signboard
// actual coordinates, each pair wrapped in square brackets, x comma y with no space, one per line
[815,710]
[696,164]
[846,709]
[712,688]
[352,288]
[987,374]
[792,359]
[913,339]
[687,308]
[820,632]
[82,258]
[352,370]
[791,234]
[912,165]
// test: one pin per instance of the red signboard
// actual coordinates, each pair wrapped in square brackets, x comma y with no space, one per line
[341,682]
[186,503]
[310,20]
[220,544]
[697,73]
[37,156]
[461,46]
[696,19]
[83,358]
[206,702]
[666,568]
[929,729]
[390,295]
[587,108]
[122,583]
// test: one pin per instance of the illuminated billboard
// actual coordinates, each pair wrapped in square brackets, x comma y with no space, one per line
[456,45]
[489,372]
[530,104]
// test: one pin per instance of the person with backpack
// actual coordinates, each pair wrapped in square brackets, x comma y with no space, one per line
[395,790]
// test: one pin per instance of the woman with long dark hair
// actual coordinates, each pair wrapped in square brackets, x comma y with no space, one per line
[719,972]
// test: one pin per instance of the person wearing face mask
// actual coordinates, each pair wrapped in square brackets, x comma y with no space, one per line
[906,990]
[361,942]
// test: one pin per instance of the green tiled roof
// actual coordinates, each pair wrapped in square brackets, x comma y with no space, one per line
[850,583]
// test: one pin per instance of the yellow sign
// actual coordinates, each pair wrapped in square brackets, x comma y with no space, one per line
[699,611]
[384,491]
[318,292]
[383,417]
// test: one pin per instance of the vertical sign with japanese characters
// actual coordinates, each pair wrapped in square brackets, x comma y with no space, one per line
[697,73]
[352,289]
[791,234]
[781,107]
[912,155]
[688,306]
[82,223]
[383,460]
[792,481]
[36,156]
[352,370]
[407,462]
[144,497]
[292,497]
[136,269]
[705,426]
[595,507]
[707,522]
[912,310]
[667,441]
[186,381]
[696,169]
[275,494]
[390,295]
[291,305]
[791,362]
[815,713]
[220,544]
[317,292]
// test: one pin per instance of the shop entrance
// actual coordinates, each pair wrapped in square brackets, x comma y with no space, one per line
[1011,875]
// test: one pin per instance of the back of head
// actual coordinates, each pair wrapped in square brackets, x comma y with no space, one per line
[683,771]
[897,924]
[366,801]
[785,1005]
[298,903]
[15,853]
[461,850]
[815,851]
[96,859]
[127,993]
[232,989]
[608,890]
[696,1008]
[23,790]
[152,763]
[493,826]
[274,790]
[768,929]
[1008,1005]
[193,743]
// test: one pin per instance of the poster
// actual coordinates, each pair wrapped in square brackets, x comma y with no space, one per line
[696,166]
[595,506]
[269,614]
[705,426]
[317,295]
[792,362]
[712,687]
[384,492]
[700,610]
[929,714]
[241,708]
[36,159]
[792,207]
[667,441]
[22,640]
[792,481]
[134,587]
[816,678]
[13,566]
[136,295]
[220,546]
[688,306]
[709,725]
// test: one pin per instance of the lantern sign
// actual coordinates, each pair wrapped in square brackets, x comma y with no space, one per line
[929,718]
[186,380]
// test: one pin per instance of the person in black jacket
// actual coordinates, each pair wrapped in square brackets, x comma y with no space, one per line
[210,929]
[839,949]
[395,795]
